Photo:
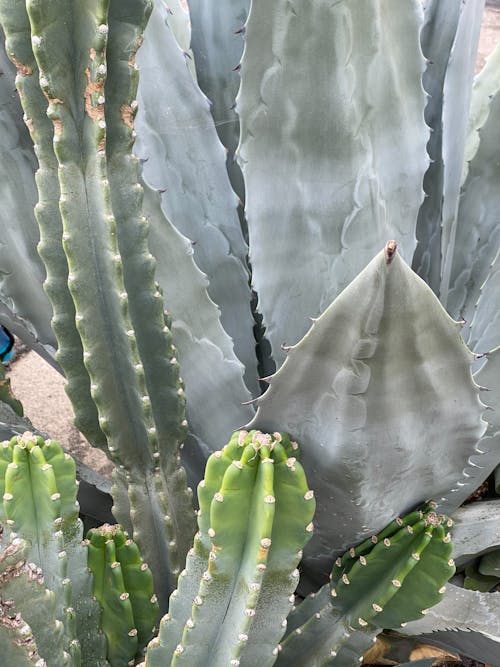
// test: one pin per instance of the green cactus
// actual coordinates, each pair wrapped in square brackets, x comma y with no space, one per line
[255,513]
[123,585]
[386,581]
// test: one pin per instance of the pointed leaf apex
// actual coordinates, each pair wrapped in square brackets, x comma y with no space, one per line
[390,251]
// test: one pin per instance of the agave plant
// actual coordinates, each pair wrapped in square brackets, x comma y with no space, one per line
[358,123]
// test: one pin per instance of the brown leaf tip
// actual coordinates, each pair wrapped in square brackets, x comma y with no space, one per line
[390,251]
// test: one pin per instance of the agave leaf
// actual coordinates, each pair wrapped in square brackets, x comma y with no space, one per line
[456,104]
[180,24]
[333,165]
[485,87]
[380,396]
[478,233]
[486,454]
[462,610]
[21,270]
[184,159]
[218,45]
[477,528]
[438,34]
[212,373]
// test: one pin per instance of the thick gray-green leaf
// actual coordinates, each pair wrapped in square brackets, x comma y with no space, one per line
[485,87]
[477,528]
[21,270]
[456,103]
[332,147]
[438,34]
[212,373]
[478,232]
[217,44]
[184,159]
[461,609]
[380,396]
[486,455]
[484,332]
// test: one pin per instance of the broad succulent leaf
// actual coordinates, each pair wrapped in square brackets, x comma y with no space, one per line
[485,87]
[462,610]
[212,373]
[437,37]
[478,237]
[333,165]
[476,529]
[379,389]
[456,104]
[184,159]
[217,43]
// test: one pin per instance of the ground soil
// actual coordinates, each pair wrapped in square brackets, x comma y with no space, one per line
[41,389]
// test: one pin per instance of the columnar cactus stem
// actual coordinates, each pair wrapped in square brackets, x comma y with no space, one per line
[15,22]
[389,579]
[38,486]
[255,517]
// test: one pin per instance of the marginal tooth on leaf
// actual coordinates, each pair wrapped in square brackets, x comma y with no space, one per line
[362,622]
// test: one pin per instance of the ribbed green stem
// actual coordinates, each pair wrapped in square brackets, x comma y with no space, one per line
[69,41]
[15,22]
[127,20]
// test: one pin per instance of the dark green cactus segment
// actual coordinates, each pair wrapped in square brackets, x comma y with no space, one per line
[401,576]
[255,517]
[17,29]
[123,586]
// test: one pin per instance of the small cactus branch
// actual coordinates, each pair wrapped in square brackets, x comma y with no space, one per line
[387,580]
[123,585]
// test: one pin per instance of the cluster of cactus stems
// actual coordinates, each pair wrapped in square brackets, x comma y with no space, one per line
[68,601]
[77,82]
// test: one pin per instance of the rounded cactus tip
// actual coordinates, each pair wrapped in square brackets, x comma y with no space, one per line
[390,251]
